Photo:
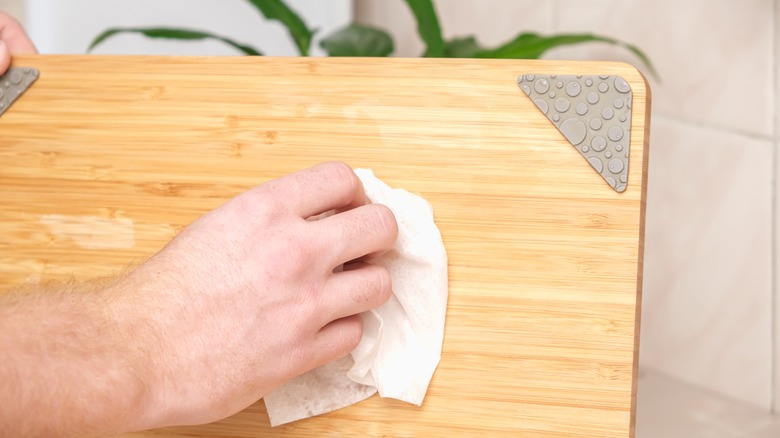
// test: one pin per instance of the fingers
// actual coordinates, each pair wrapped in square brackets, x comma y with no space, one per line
[325,187]
[5,57]
[359,288]
[358,232]
[16,40]
[338,339]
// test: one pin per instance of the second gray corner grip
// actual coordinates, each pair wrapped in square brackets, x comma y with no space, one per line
[593,113]
[13,83]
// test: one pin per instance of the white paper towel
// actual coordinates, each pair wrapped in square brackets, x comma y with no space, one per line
[402,340]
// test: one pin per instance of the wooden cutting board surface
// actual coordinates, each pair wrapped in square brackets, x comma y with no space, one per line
[104,159]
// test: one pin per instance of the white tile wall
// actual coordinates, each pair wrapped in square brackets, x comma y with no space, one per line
[393,16]
[708,274]
[669,408]
[769,430]
[706,52]
[708,284]
[69,26]
[708,296]
[776,63]
[776,375]
[492,21]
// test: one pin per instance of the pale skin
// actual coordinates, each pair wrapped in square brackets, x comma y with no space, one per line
[243,299]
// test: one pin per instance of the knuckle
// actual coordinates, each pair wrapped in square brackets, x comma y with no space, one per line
[341,173]
[259,206]
[269,199]
[340,170]
[287,259]
[12,23]
[298,254]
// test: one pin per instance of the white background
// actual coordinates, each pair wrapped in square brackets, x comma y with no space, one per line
[68,26]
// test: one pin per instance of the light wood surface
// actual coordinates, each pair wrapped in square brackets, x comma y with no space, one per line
[105,158]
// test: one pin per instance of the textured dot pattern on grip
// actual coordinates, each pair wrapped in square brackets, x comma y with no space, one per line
[593,113]
[13,83]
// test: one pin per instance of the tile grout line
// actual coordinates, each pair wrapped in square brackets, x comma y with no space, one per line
[773,299]
[711,127]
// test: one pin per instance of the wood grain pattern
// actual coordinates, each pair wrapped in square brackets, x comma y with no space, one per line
[106,158]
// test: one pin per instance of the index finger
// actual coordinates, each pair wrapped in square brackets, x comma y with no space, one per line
[318,189]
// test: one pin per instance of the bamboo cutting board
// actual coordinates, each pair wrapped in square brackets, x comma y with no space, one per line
[104,159]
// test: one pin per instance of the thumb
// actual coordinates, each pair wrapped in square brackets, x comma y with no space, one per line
[5,57]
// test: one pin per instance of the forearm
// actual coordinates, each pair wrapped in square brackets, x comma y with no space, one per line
[242,300]
[70,364]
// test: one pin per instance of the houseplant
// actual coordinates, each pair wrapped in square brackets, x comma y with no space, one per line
[360,40]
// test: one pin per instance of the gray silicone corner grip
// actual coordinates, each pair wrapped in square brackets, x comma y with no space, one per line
[13,83]
[593,113]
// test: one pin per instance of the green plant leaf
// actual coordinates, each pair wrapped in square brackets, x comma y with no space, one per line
[466,47]
[358,40]
[428,27]
[174,34]
[532,46]
[278,10]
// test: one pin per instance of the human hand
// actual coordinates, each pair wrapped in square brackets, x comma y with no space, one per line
[246,297]
[13,41]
